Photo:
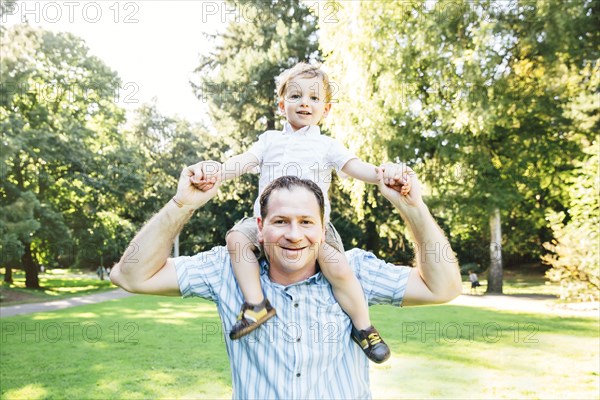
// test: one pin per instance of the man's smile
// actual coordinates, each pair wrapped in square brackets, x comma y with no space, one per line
[292,248]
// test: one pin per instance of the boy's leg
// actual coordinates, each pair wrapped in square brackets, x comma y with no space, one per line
[245,266]
[346,287]
[256,308]
[349,294]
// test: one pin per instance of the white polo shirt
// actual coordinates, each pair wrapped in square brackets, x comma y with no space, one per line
[305,153]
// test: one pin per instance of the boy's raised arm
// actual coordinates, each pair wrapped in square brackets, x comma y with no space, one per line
[363,171]
[238,165]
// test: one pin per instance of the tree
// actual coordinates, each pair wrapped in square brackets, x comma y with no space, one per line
[165,146]
[575,254]
[17,224]
[472,94]
[60,131]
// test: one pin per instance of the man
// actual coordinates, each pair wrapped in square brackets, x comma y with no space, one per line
[306,351]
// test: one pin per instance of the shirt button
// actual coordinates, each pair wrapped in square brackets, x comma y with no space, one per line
[297,340]
[298,375]
[296,305]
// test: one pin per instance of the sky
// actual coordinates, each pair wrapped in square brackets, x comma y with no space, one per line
[154,45]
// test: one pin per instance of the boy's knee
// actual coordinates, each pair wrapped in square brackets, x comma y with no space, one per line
[335,265]
[234,239]
[239,246]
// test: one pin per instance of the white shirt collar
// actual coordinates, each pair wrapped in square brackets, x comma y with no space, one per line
[309,130]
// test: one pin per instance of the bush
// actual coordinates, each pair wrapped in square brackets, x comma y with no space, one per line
[575,254]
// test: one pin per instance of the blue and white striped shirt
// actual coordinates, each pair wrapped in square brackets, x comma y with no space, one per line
[305,351]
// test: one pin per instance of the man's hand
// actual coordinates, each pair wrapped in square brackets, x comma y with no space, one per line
[400,185]
[198,183]
[397,177]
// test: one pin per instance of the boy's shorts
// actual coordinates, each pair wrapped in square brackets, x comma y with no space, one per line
[249,228]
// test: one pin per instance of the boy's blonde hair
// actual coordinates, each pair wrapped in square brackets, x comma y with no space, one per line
[304,70]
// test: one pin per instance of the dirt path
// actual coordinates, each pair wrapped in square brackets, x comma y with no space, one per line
[30,308]
[530,303]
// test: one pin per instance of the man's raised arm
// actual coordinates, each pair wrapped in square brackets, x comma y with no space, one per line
[145,267]
[437,277]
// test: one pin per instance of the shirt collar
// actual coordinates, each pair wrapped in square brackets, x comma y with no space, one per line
[316,279]
[309,130]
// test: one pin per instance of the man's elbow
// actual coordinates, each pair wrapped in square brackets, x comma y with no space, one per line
[117,278]
[452,291]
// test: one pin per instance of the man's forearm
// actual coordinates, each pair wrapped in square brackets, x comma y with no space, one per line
[151,247]
[435,259]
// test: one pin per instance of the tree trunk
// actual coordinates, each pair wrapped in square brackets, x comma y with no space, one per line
[31,269]
[372,237]
[8,275]
[495,273]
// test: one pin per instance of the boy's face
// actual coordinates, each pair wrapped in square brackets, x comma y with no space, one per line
[304,102]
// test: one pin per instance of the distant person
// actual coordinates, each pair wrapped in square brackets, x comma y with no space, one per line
[474,282]
[300,149]
[100,271]
[304,352]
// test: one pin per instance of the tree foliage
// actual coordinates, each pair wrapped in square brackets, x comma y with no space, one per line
[476,96]
[494,104]
[60,131]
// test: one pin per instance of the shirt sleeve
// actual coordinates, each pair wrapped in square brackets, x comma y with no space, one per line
[382,282]
[259,147]
[201,275]
[338,155]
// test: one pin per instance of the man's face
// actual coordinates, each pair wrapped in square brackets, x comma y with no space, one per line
[291,233]
[304,102]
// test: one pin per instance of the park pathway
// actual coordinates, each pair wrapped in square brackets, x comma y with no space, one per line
[521,303]
[535,303]
[30,308]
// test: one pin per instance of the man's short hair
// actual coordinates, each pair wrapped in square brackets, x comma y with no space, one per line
[289,182]
[304,70]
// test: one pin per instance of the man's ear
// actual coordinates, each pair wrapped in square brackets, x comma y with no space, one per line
[259,223]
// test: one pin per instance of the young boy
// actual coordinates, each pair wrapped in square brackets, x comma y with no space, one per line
[299,149]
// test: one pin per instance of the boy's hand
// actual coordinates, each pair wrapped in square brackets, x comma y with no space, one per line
[206,175]
[400,185]
[396,176]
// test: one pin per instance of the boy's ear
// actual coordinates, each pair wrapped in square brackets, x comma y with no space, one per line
[281,107]
[327,108]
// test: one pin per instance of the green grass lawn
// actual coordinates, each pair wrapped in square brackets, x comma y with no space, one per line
[151,347]
[56,284]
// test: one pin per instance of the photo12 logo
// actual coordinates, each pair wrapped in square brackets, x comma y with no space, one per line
[71,11]
[453,332]
[263,11]
[52,332]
